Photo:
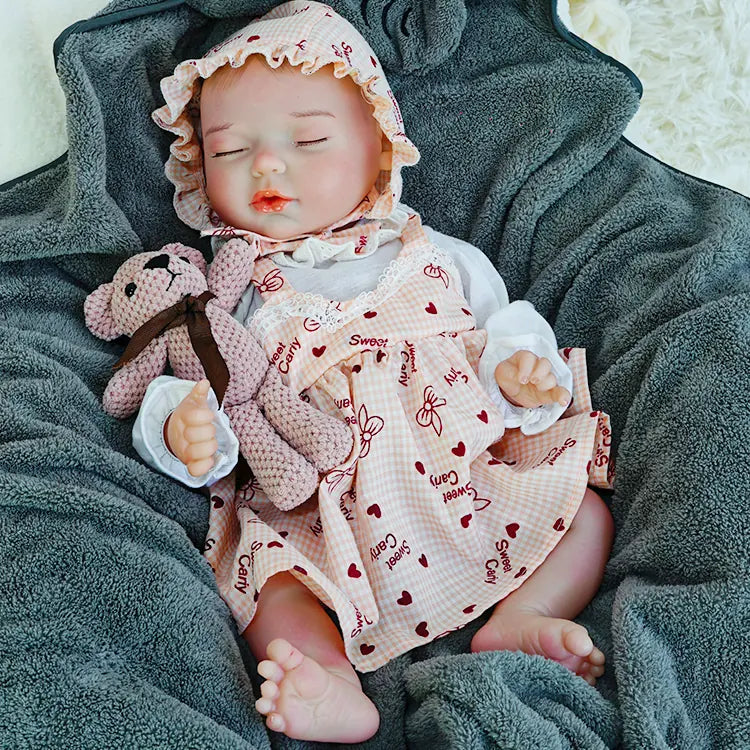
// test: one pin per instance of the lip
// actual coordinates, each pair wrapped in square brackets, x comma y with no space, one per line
[270,201]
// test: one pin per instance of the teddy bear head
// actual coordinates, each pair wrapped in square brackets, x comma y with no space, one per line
[143,286]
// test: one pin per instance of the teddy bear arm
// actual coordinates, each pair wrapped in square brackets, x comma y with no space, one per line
[286,477]
[322,439]
[127,387]
[231,272]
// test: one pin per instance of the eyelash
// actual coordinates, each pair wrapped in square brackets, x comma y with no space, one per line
[297,143]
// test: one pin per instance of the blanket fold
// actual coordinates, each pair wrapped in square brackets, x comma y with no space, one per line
[112,633]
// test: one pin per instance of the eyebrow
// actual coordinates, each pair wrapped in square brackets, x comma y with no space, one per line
[312,113]
[217,128]
[306,113]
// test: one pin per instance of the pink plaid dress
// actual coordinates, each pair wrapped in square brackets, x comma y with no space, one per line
[422,528]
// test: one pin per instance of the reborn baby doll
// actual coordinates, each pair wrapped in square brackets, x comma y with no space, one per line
[408,336]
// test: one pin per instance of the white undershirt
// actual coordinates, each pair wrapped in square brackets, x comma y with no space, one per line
[509,327]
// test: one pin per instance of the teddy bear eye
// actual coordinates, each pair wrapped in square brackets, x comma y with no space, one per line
[130,289]
[187,260]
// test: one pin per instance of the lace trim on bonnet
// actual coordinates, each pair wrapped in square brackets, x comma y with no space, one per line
[306,34]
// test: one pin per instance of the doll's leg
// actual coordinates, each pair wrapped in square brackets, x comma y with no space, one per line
[311,690]
[322,439]
[536,617]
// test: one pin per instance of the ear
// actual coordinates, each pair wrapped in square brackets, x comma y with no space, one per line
[98,313]
[193,255]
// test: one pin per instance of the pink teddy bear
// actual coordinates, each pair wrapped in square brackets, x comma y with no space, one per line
[156,298]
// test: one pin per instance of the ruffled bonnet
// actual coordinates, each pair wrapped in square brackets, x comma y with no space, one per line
[309,35]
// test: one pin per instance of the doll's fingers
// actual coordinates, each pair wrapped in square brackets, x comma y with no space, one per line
[198,416]
[197,451]
[525,361]
[546,383]
[198,468]
[200,433]
[561,395]
[542,369]
[199,393]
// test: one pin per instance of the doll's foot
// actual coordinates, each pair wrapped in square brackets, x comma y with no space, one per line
[307,701]
[562,641]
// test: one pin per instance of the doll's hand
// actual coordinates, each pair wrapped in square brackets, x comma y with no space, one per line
[527,380]
[191,434]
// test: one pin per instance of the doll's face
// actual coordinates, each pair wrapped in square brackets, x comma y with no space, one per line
[313,139]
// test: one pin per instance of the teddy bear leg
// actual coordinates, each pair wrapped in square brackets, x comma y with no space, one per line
[286,477]
[322,439]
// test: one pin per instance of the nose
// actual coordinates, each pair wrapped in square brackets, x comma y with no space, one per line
[158,261]
[266,162]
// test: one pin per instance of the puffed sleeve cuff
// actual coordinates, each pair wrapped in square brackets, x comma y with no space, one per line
[531,421]
[162,397]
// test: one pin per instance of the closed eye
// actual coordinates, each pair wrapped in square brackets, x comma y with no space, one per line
[310,143]
[226,153]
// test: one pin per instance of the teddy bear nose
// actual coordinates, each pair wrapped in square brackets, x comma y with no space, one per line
[158,261]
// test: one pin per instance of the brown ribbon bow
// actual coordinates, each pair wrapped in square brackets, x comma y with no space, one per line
[190,310]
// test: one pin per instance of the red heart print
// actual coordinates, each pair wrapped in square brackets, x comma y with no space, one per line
[284,534]
[465,520]
[588,467]
[566,351]
[511,530]
[217,501]
[404,599]
[421,629]
[371,313]
[374,510]
[366,648]
[521,572]
[318,350]
[379,356]
[372,60]
[419,466]
[494,462]
[274,543]
[253,38]
[468,610]
[300,569]
[465,311]
[482,416]
[431,308]
[459,450]
[353,572]
[594,414]
[559,525]
[423,561]
[356,368]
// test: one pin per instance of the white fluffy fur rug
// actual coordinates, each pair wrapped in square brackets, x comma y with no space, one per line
[691,56]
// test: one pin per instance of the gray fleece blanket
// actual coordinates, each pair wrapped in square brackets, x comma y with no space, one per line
[112,634]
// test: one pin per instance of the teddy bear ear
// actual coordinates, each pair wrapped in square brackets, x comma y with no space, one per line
[98,312]
[193,255]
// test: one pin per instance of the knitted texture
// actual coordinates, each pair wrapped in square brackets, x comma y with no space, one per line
[284,446]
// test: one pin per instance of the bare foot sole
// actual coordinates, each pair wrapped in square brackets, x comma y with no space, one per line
[306,701]
[562,641]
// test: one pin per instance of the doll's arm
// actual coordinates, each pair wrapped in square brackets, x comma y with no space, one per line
[230,272]
[126,388]
[510,328]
